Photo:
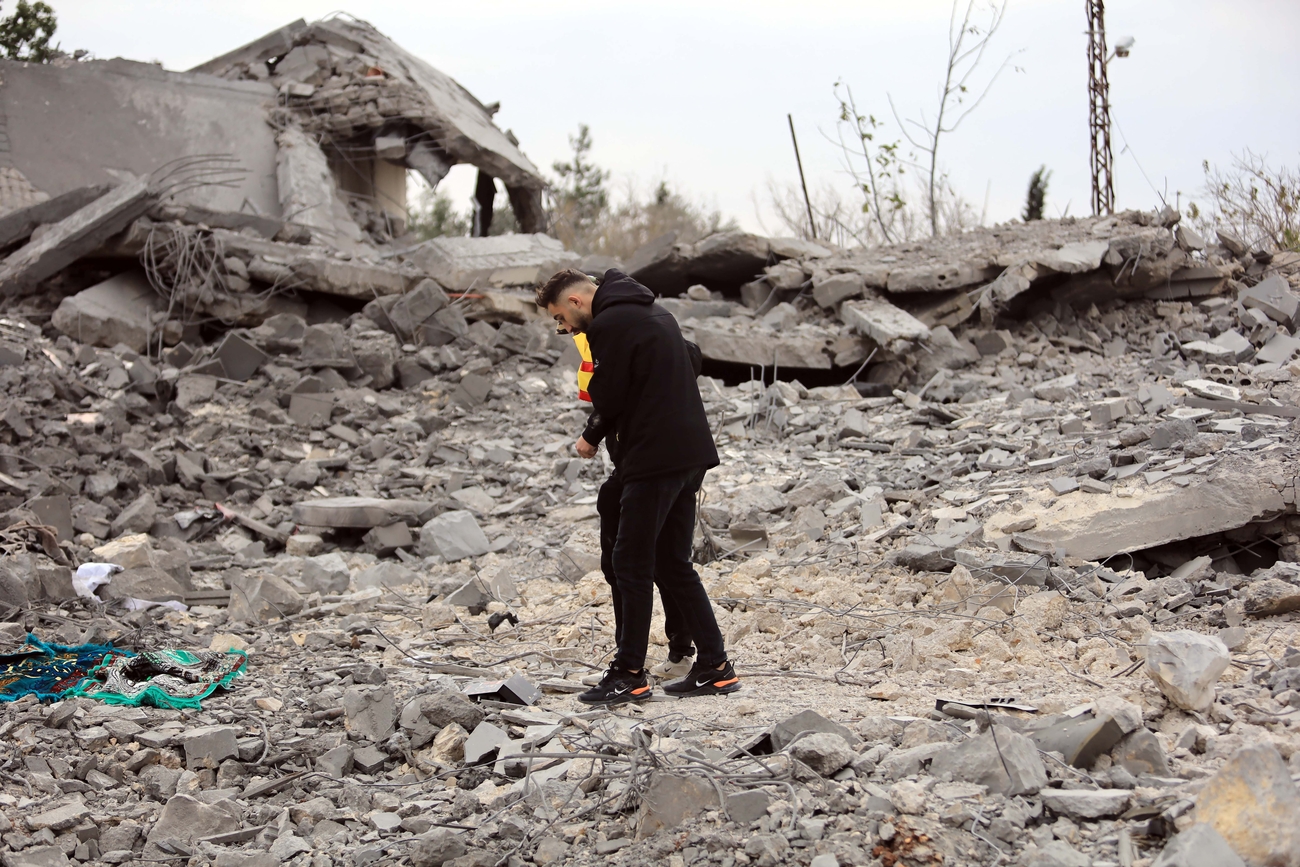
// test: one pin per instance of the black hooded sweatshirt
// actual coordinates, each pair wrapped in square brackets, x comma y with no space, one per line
[643,385]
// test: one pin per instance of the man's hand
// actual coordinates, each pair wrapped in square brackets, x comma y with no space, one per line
[585,449]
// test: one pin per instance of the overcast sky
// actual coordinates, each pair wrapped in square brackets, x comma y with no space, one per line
[698,92]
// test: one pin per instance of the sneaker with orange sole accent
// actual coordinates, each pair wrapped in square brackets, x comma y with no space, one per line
[705,680]
[618,687]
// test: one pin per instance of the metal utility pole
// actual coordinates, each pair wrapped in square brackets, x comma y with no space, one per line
[1103,187]
[812,224]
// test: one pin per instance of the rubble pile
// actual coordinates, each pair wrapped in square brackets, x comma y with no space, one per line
[1004,542]
[1037,604]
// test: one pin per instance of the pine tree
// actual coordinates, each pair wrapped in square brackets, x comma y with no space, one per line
[1037,194]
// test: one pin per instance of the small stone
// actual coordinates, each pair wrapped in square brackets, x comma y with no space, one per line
[449,744]
[446,708]
[1185,665]
[336,762]
[908,797]
[550,850]
[370,712]
[1269,596]
[287,846]
[304,545]
[36,856]
[209,746]
[369,759]
[749,806]
[824,752]
[1141,753]
[435,848]
[1057,853]
[185,819]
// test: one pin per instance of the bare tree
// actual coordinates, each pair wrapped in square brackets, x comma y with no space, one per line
[967,43]
[879,160]
[1254,201]
[838,222]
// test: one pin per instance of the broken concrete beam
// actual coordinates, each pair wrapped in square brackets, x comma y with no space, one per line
[18,225]
[74,236]
[1232,496]
[498,261]
[119,310]
[316,270]
[882,322]
[359,512]
[277,43]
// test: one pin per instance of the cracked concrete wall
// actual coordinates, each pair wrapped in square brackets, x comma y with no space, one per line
[88,123]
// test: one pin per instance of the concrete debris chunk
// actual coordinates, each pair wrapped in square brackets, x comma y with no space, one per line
[1252,803]
[824,752]
[358,512]
[1199,846]
[882,322]
[435,848]
[670,799]
[119,310]
[1274,297]
[980,760]
[1085,804]
[371,712]
[1185,665]
[453,536]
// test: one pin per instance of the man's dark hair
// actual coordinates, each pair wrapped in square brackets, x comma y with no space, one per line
[549,292]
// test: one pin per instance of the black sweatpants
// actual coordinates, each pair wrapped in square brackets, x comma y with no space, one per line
[653,545]
[609,508]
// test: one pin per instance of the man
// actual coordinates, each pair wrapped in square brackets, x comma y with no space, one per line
[644,388]
[680,647]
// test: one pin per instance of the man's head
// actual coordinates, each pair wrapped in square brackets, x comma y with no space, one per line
[567,298]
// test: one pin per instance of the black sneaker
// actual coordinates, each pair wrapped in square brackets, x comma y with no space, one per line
[618,687]
[705,680]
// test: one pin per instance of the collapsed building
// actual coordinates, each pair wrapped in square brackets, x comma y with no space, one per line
[1004,542]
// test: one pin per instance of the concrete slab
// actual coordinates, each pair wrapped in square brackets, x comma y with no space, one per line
[501,260]
[1095,526]
[76,235]
[359,512]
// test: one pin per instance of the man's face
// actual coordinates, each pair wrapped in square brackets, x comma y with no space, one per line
[572,313]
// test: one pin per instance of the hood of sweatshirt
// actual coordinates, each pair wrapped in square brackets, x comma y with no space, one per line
[618,288]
